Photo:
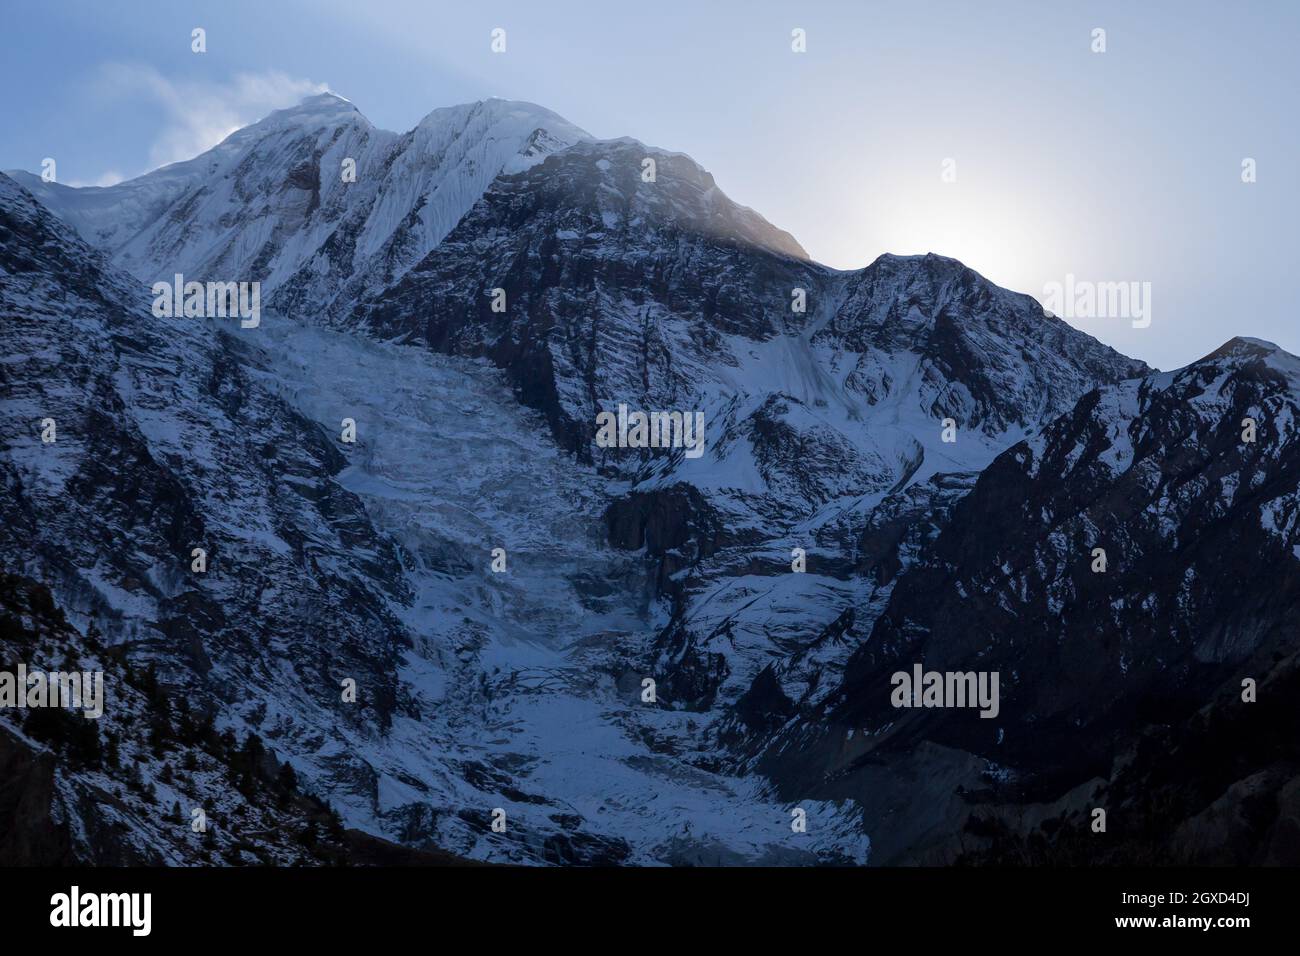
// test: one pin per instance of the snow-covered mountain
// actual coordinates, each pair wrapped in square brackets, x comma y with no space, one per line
[490,283]
[666,295]
[329,562]
[1122,670]
[311,197]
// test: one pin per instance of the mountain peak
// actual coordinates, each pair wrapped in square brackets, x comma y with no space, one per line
[919,259]
[1245,344]
[1246,349]
[497,110]
[609,173]
[1242,351]
[319,109]
[929,265]
[328,97]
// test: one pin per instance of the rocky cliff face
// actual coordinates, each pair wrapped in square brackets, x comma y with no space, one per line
[594,288]
[1197,527]
[163,441]
[1124,572]
[329,563]
[150,782]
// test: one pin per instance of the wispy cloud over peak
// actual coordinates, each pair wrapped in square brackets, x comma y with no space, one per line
[200,114]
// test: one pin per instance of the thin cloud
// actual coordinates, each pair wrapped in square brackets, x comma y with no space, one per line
[110,178]
[201,114]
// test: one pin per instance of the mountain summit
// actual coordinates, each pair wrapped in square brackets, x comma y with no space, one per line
[313,195]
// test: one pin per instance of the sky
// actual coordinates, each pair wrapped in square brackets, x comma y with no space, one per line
[992,132]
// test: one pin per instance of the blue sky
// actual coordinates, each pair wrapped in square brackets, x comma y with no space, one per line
[1115,166]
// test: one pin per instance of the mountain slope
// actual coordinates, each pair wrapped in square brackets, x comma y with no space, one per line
[330,562]
[664,295]
[1200,584]
[271,202]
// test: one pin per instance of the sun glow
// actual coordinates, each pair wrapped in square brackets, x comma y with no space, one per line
[994,235]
